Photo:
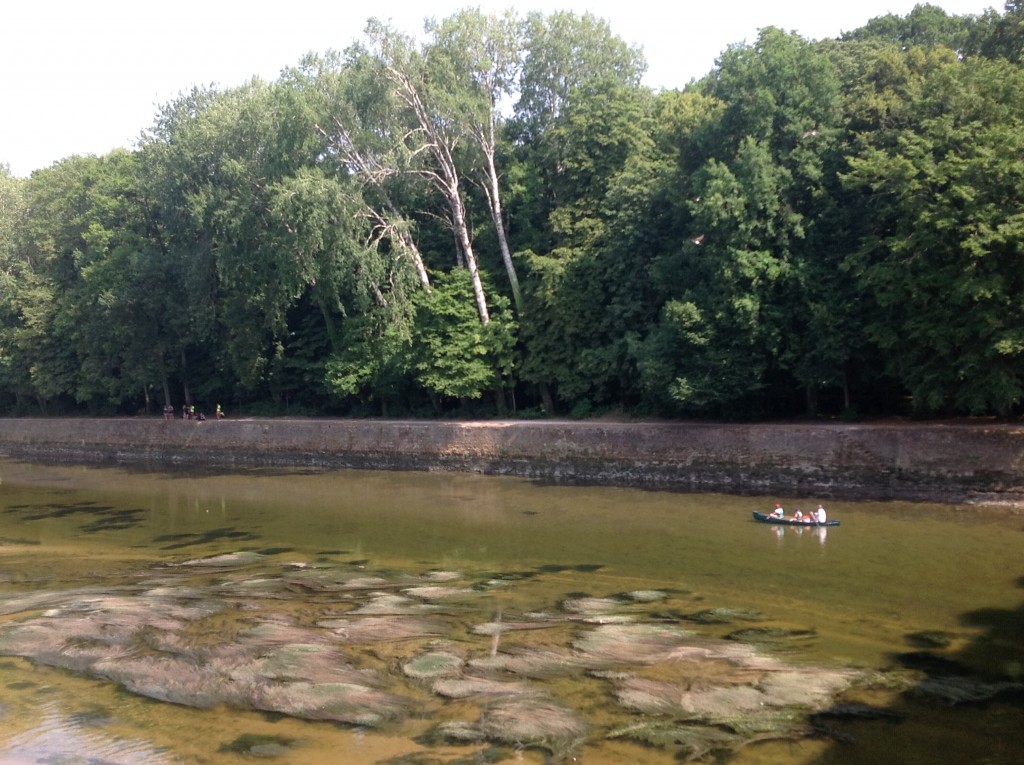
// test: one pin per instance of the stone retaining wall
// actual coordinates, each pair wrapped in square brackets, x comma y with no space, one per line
[941,462]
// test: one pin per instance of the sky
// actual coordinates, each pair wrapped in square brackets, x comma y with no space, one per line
[88,77]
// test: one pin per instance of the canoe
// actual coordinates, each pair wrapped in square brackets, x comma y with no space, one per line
[766,518]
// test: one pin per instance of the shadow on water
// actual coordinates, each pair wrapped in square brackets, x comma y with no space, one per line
[181,541]
[101,517]
[965,705]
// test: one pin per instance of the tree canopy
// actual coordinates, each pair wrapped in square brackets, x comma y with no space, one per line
[498,217]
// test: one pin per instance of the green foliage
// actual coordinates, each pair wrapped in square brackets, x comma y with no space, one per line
[457,356]
[943,260]
[826,226]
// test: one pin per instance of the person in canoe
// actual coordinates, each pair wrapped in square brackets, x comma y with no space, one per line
[778,512]
[798,516]
[820,515]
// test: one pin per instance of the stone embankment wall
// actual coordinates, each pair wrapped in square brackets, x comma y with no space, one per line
[940,462]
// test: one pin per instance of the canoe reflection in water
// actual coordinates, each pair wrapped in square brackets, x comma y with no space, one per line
[821,532]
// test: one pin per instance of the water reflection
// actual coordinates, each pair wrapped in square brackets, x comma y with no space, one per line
[820,533]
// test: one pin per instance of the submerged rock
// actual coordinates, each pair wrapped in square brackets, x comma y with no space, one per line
[531,662]
[592,606]
[387,603]
[227,560]
[957,690]
[498,628]
[632,643]
[175,679]
[308,662]
[724,616]
[536,724]
[260,746]
[433,665]
[929,639]
[771,635]
[467,687]
[342,702]
[435,592]
[693,742]
[645,596]
[532,722]
[858,711]
[384,628]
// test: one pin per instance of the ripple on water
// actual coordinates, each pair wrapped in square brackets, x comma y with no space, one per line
[76,739]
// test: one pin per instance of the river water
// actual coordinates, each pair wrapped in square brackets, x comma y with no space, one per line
[917,592]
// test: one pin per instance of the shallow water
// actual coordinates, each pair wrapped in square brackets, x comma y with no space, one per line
[859,592]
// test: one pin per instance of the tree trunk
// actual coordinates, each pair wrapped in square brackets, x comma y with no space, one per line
[164,382]
[411,249]
[494,200]
[462,232]
[446,180]
[184,379]
[811,394]
[547,399]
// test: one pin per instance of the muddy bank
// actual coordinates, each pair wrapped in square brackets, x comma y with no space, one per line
[955,462]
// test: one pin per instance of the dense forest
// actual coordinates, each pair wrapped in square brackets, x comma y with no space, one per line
[497,218]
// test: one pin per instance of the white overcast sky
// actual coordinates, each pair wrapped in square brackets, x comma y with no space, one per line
[81,77]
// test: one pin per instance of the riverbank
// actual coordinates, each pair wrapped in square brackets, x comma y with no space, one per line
[955,462]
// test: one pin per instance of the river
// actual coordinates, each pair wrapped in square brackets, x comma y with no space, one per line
[894,602]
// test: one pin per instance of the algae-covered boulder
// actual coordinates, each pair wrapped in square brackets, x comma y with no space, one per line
[433,664]
[692,742]
[312,662]
[724,616]
[535,723]
[531,721]
[342,702]
[366,630]
[467,687]
[532,662]
[227,560]
[626,643]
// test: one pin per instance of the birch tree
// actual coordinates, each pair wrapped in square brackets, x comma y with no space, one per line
[432,137]
[354,117]
[481,56]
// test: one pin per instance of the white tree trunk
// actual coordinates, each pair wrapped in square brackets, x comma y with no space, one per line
[494,200]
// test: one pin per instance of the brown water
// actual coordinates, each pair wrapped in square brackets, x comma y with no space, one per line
[890,571]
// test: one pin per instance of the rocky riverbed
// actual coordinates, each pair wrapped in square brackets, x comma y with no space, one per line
[372,649]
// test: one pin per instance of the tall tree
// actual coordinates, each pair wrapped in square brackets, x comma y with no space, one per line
[568,58]
[433,135]
[353,110]
[476,60]
[942,258]
[16,283]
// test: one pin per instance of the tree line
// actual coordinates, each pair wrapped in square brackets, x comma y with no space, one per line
[497,218]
